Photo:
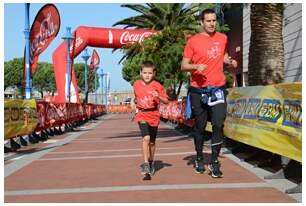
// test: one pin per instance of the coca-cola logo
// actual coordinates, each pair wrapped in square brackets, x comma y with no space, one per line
[77,43]
[128,37]
[47,29]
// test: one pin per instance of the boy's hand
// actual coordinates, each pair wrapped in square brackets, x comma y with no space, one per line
[154,94]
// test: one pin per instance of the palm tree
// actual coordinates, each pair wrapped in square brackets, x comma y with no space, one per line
[157,16]
[266,54]
[179,17]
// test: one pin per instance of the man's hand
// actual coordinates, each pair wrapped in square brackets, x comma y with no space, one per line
[234,63]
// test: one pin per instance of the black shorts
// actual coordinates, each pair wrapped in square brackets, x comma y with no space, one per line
[147,130]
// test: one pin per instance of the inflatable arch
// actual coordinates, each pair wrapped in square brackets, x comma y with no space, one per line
[88,36]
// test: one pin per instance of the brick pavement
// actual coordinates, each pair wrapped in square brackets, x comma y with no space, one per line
[100,163]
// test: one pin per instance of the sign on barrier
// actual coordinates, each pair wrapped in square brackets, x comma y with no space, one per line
[267,117]
[20,117]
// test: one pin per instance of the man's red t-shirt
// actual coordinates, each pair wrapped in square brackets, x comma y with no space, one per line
[145,100]
[209,50]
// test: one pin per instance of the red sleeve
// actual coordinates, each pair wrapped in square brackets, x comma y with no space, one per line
[162,91]
[188,51]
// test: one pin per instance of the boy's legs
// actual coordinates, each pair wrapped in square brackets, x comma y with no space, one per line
[153,133]
[144,129]
[152,146]
[146,148]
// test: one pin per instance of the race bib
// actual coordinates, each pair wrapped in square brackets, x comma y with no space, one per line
[219,98]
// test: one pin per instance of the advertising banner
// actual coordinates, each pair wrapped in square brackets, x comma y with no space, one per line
[20,117]
[44,29]
[94,63]
[267,117]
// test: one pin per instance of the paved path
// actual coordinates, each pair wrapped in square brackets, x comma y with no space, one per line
[100,163]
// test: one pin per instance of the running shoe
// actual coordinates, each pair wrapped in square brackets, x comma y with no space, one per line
[199,166]
[214,169]
[145,168]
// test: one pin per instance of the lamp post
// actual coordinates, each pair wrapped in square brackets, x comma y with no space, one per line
[85,57]
[101,84]
[107,88]
[96,97]
[67,39]
[27,54]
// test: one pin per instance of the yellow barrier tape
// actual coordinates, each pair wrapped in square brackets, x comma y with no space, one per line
[20,117]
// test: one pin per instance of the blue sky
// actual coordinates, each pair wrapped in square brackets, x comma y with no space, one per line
[73,15]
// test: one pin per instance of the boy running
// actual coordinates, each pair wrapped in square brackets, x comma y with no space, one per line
[148,93]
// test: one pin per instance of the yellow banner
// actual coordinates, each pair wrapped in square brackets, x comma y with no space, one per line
[20,117]
[267,117]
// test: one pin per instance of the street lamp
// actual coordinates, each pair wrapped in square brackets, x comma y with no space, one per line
[27,53]
[95,73]
[86,57]
[67,39]
[101,84]
[107,89]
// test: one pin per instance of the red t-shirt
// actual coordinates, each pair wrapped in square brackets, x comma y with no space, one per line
[145,100]
[209,50]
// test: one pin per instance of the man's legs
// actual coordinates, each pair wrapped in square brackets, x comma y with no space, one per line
[200,113]
[218,114]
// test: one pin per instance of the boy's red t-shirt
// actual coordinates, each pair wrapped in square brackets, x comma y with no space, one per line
[209,50]
[145,100]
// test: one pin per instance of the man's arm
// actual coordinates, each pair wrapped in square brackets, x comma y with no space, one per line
[186,66]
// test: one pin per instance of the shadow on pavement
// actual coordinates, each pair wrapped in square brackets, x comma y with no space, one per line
[162,133]
[159,164]
[191,158]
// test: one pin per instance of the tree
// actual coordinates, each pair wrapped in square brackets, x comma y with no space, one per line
[158,16]
[13,74]
[43,78]
[266,54]
[79,74]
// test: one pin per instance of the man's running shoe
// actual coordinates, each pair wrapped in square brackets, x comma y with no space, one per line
[145,168]
[199,166]
[214,169]
[152,168]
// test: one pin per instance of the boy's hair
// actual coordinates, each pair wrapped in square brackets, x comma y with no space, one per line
[207,11]
[148,64]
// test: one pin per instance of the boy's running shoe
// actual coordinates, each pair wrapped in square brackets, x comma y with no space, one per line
[214,169]
[145,168]
[199,166]
[152,168]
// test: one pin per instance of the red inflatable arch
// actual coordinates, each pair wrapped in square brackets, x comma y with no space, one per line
[88,36]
